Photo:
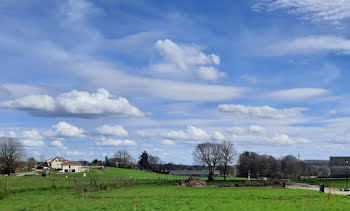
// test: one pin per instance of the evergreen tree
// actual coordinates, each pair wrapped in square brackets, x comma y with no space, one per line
[143,162]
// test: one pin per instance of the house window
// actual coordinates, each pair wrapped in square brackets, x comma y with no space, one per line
[66,170]
[69,166]
[73,170]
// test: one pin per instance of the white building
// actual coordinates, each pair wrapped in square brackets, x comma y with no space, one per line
[73,167]
[55,163]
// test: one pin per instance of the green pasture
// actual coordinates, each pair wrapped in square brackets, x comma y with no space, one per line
[151,191]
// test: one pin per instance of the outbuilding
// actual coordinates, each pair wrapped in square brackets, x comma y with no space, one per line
[73,167]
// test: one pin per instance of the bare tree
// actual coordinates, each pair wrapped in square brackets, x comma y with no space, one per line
[31,162]
[228,154]
[248,163]
[208,154]
[123,158]
[289,166]
[11,153]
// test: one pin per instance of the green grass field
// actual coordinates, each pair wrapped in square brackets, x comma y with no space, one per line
[37,193]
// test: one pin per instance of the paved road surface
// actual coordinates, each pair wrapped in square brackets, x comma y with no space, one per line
[315,188]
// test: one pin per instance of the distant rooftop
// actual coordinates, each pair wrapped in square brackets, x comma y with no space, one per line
[69,162]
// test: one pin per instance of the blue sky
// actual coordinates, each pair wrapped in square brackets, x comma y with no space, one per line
[82,79]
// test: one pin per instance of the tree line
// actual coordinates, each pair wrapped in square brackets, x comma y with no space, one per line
[145,162]
[268,166]
[212,155]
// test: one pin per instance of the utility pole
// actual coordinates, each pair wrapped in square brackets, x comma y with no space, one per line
[347,175]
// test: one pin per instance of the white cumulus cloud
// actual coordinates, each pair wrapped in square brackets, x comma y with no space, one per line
[75,153]
[210,73]
[104,142]
[74,103]
[43,103]
[183,59]
[184,56]
[191,133]
[58,143]
[30,138]
[64,129]
[31,134]
[115,130]
[285,139]
[197,133]
[256,129]
[218,136]
[33,143]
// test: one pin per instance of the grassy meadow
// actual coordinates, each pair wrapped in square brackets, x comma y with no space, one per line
[151,191]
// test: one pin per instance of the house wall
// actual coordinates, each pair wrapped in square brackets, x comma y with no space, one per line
[71,168]
[57,163]
[74,168]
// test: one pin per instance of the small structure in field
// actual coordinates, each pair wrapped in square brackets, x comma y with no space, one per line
[194,173]
[73,167]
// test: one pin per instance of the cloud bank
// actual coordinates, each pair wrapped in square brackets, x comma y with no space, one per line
[315,11]
[262,111]
[74,104]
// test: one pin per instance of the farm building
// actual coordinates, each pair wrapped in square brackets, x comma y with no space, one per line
[194,173]
[73,167]
[55,163]
[340,166]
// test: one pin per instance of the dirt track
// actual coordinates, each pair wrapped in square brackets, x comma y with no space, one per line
[315,188]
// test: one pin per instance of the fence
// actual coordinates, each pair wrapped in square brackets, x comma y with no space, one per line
[15,184]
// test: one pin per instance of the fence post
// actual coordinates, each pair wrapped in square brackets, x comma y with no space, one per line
[53,181]
[75,185]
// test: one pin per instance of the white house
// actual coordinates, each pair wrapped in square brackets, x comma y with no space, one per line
[72,167]
[55,163]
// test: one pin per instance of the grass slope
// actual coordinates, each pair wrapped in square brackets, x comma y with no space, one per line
[169,197]
[37,193]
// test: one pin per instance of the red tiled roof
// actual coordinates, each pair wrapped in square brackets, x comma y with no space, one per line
[70,162]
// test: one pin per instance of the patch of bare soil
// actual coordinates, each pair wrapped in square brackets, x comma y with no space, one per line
[193,182]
